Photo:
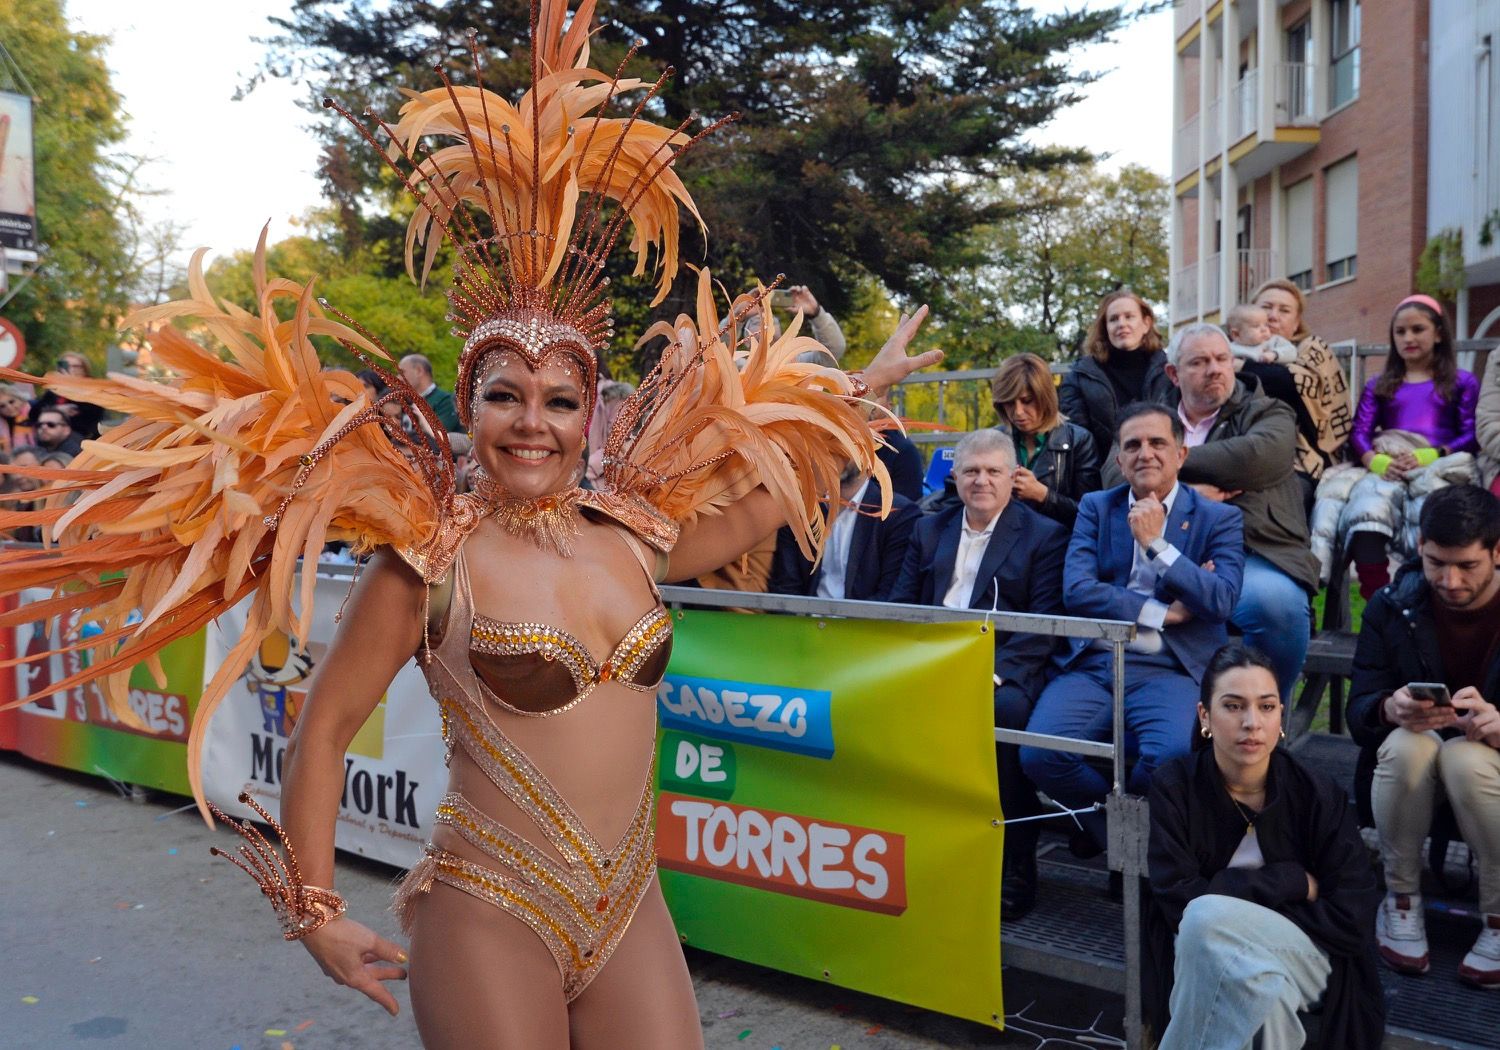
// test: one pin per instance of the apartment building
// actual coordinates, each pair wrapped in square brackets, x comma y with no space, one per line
[1463,153]
[1301,151]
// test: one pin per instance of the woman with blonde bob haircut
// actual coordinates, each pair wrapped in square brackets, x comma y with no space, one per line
[1123,362]
[1057,462]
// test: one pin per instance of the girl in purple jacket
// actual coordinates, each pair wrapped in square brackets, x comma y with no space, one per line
[1422,392]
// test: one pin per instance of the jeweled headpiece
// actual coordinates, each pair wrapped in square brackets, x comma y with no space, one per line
[520,197]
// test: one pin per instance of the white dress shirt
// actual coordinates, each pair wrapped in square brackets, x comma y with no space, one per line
[832,580]
[972,544]
[1144,572]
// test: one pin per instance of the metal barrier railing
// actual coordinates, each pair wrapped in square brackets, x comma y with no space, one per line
[1127,816]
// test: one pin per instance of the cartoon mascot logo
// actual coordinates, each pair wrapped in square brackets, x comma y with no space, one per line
[278,665]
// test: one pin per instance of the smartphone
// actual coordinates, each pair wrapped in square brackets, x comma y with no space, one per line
[781,299]
[1437,692]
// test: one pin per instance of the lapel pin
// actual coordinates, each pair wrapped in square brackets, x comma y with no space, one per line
[1184,526]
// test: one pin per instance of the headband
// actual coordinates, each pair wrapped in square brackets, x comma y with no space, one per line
[1421,300]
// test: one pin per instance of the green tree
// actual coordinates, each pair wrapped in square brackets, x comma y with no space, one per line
[869,129]
[82,286]
[405,319]
[1036,277]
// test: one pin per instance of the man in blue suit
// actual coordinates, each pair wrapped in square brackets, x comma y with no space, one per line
[1155,553]
[993,552]
[864,553]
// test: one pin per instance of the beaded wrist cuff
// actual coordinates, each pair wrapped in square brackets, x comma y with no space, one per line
[300,908]
[861,388]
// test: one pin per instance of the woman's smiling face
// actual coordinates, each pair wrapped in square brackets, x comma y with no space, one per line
[529,423]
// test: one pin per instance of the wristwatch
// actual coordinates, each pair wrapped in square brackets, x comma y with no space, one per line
[1157,547]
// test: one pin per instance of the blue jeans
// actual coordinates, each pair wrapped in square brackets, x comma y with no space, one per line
[1242,970]
[1274,616]
[1159,712]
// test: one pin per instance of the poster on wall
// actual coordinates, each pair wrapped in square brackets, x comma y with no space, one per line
[393,770]
[18,232]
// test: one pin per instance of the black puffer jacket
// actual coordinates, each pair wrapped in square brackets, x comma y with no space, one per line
[1068,466]
[1087,397]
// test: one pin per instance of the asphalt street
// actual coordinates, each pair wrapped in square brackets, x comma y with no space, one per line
[121,931]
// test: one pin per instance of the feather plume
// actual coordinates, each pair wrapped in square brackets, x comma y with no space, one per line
[183,496]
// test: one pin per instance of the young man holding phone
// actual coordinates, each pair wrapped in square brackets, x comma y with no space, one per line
[1423,709]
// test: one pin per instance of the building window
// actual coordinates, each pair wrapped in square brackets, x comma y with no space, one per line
[1343,56]
[1341,219]
[1297,235]
[1295,101]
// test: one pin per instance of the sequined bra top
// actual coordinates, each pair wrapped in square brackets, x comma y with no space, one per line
[539,670]
[532,665]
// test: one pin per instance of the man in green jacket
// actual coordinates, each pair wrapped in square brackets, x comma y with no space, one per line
[417,371]
[1242,450]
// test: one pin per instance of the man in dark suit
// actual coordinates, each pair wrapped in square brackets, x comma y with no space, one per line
[992,552]
[864,553]
[1156,553]
[417,371]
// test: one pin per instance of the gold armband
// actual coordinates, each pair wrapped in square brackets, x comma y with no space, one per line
[300,908]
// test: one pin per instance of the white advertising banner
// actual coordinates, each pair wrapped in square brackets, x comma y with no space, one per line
[393,771]
[18,232]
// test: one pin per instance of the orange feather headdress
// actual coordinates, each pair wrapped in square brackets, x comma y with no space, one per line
[520,194]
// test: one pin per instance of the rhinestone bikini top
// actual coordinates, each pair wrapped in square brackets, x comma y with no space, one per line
[528,667]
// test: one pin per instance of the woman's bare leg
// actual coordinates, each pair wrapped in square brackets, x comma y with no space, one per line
[643,997]
[481,979]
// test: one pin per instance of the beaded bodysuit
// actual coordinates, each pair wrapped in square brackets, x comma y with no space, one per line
[575,893]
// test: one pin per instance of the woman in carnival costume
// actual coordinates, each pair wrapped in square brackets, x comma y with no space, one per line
[535,916]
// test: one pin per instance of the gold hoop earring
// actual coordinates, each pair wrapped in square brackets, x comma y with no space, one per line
[1204,732]
[1283,732]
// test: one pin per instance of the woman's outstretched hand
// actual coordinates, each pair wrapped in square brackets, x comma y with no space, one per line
[358,957]
[892,364]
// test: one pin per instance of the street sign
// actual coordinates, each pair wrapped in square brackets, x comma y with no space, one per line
[12,345]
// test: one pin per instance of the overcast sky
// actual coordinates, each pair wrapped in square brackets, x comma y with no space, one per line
[225,167]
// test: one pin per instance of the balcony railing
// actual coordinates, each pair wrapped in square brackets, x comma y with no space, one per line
[1186,153]
[1296,93]
[1245,116]
[1213,140]
[1210,300]
[1256,267]
[1185,294]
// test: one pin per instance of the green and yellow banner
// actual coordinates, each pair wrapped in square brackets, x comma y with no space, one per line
[828,804]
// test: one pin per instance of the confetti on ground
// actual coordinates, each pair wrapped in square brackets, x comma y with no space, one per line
[81,804]
[286,1046]
[745,1035]
[97,958]
[729,1013]
[874,1029]
[31,1000]
[304,1026]
[172,852]
[138,907]
[275,1031]
[122,905]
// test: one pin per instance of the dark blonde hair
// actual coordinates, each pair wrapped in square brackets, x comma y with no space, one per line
[1098,345]
[1281,284]
[1027,374]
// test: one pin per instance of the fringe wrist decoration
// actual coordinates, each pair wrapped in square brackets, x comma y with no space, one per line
[300,908]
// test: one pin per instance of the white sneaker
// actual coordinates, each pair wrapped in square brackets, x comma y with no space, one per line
[1481,967]
[1401,932]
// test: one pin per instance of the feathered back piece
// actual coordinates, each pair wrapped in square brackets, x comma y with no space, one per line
[520,194]
[718,417]
[214,486]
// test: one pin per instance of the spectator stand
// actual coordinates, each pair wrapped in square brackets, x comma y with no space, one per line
[960,399]
[1087,949]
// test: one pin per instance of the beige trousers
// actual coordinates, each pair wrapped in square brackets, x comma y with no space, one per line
[1414,771]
